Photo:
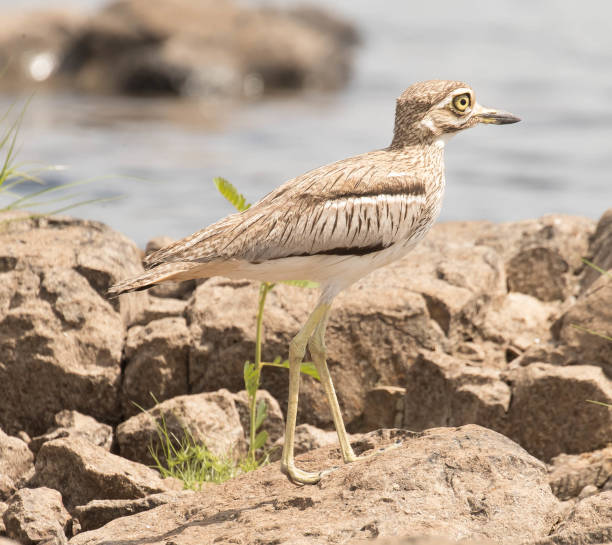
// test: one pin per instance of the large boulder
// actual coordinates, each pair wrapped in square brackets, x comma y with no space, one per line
[82,472]
[464,482]
[60,338]
[210,418]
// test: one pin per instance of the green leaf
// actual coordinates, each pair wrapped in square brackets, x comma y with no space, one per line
[307,367]
[595,267]
[251,378]
[596,333]
[260,439]
[260,414]
[301,283]
[600,403]
[231,194]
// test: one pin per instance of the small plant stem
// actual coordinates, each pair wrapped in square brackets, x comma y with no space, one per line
[264,288]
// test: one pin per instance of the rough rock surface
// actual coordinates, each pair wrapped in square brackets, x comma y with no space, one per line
[384,408]
[210,418]
[35,515]
[571,473]
[600,251]
[75,424]
[83,472]
[466,482]
[97,513]
[445,391]
[16,464]
[550,414]
[60,339]
[157,356]
[588,523]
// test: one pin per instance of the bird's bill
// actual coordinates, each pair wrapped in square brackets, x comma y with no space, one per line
[496,117]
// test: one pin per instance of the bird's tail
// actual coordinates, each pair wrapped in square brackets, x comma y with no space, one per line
[161,273]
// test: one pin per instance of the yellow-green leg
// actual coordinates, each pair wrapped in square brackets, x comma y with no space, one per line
[297,348]
[316,345]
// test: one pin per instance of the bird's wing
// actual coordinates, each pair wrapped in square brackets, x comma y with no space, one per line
[348,208]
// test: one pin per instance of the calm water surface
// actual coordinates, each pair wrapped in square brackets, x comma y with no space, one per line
[549,62]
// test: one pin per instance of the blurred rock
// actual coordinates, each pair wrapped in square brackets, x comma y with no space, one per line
[600,250]
[550,415]
[60,338]
[579,327]
[571,473]
[75,424]
[159,308]
[274,423]
[83,472]
[384,408]
[16,464]
[37,515]
[97,513]
[542,255]
[157,357]
[210,418]
[180,48]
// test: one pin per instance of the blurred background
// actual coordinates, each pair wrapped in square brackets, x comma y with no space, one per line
[154,98]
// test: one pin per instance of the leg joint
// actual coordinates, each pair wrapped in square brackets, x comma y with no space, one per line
[316,345]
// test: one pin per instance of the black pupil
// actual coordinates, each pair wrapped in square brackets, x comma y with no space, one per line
[463,102]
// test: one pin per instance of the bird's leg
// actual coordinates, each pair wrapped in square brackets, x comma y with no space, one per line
[297,348]
[316,345]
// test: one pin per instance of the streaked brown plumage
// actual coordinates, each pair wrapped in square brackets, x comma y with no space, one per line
[334,224]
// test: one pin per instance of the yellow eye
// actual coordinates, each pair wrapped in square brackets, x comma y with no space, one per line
[462,102]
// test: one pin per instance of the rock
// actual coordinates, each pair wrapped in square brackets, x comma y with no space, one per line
[589,522]
[437,540]
[384,408]
[75,424]
[37,515]
[157,358]
[579,327]
[376,328]
[177,290]
[179,48]
[159,308]
[3,508]
[306,438]
[210,418]
[83,472]
[60,339]
[274,423]
[541,255]
[600,250]
[97,513]
[16,464]
[571,473]
[550,415]
[32,43]
[445,391]
[461,483]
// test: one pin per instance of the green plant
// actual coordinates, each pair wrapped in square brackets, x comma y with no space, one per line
[192,462]
[252,371]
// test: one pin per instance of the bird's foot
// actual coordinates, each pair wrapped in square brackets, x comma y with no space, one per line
[304,477]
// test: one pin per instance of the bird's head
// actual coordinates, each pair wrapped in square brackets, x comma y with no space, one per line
[434,110]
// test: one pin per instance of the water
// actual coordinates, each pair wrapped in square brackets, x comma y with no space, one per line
[549,62]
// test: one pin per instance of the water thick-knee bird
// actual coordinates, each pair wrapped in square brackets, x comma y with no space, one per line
[334,225]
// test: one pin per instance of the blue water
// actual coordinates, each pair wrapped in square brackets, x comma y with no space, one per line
[549,62]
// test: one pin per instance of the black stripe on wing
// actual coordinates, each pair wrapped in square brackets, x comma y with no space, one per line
[344,251]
